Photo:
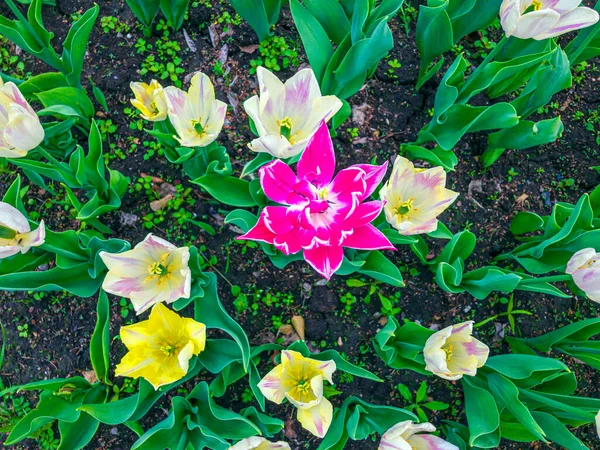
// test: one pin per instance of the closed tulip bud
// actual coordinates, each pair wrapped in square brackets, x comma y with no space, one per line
[20,127]
[453,352]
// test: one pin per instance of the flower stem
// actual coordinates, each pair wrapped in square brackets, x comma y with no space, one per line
[554,278]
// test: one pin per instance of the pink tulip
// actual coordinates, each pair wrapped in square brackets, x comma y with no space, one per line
[321,215]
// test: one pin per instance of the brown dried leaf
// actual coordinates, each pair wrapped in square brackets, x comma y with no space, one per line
[286,330]
[214,35]
[249,48]
[298,324]
[90,376]
[157,205]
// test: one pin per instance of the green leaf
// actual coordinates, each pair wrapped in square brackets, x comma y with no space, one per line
[144,10]
[377,266]
[482,416]
[174,11]
[434,37]
[100,342]
[75,45]
[229,190]
[314,37]
[405,392]
[422,392]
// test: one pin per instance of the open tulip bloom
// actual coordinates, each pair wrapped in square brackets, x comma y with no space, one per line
[584,267]
[453,352]
[196,115]
[15,233]
[259,443]
[321,216]
[154,271]
[149,100]
[543,19]
[300,381]
[287,115]
[403,436]
[161,347]
[415,197]
[20,127]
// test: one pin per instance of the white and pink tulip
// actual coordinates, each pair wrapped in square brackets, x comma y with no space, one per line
[543,19]
[154,271]
[287,115]
[20,127]
[453,352]
[322,214]
[403,436]
[584,267]
[15,233]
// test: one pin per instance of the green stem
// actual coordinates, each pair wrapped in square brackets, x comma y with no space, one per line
[554,278]
[488,59]
[497,316]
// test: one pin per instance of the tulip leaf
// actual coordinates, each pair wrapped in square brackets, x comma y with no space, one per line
[401,347]
[75,45]
[174,11]
[144,10]
[269,426]
[436,156]
[100,341]
[378,267]
[316,42]
[228,190]
[197,421]
[482,415]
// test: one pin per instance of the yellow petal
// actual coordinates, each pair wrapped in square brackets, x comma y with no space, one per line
[317,419]
[272,386]
[197,333]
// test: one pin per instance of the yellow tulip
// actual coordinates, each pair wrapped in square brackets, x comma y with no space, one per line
[154,271]
[300,380]
[161,347]
[15,233]
[415,197]
[150,100]
[20,127]
[196,115]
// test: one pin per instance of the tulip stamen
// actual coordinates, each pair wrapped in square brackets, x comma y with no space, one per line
[323,193]
[200,130]
[406,207]
[285,128]
[536,5]
[169,349]
[448,350]
[303,386]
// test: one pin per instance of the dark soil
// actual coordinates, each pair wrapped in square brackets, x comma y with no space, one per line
[60,325]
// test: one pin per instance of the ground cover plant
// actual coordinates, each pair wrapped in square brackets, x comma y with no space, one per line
[333,224]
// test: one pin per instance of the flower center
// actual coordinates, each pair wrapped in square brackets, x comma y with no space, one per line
[323,193]
[406,207]
[200,130]
[448,350]
[169,349]
[154,108]
[536,5]
[303,386]
[157,268]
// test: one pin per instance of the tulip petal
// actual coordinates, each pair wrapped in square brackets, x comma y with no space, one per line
[300,92]
[573,20]
[317,419]
[274,144]
[23,130]
[277,180]
[534,23]
[323,109]
[579,259]
[252,106]
[374,175]
[317,163]
[11,217]
[325,260]
[368,237]
[259,232]
[430,442]
[272,386]
[588,280]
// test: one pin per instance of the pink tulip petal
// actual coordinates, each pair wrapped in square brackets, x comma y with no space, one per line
[368,237]
[317,163]
[277,180]
[276,219]
[260,232]
[374,175]
[325,260]
[364,214]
